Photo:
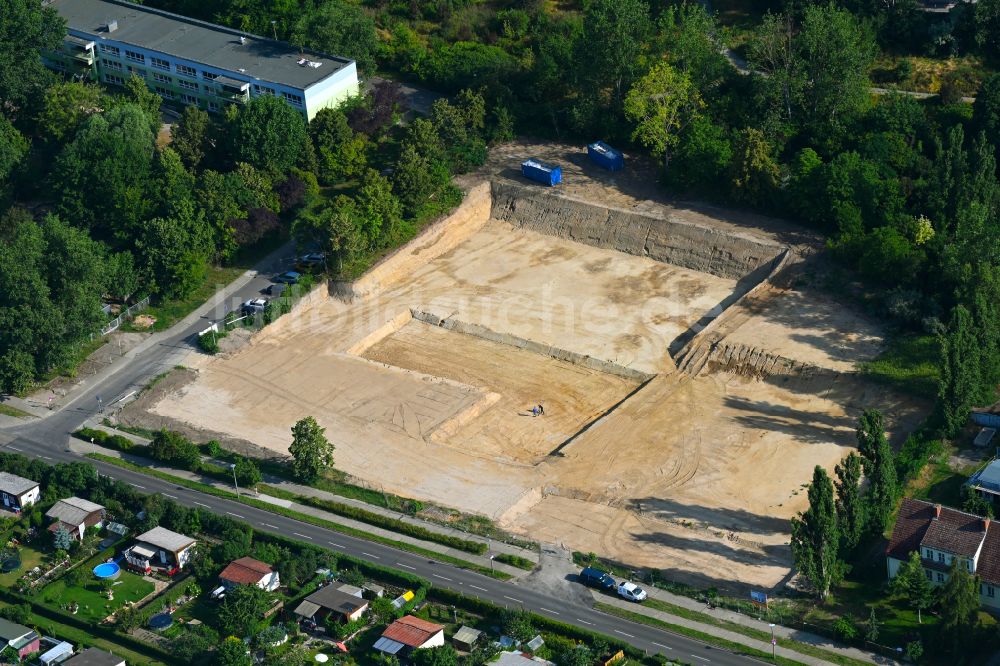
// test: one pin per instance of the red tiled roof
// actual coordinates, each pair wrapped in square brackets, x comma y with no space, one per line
[911,524]
[411,631]
[988,567]
[952,531]
[246,571]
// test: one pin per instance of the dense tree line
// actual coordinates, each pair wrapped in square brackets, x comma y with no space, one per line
[96,206]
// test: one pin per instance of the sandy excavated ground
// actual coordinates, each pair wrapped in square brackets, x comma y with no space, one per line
[696,475]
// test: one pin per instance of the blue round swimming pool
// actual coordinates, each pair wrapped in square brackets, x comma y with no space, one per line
[107,570]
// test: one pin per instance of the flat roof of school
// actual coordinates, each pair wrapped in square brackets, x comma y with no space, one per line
[197,41]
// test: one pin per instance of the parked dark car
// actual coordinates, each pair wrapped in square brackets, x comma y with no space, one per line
[599,579]
[288,277]
[276,289]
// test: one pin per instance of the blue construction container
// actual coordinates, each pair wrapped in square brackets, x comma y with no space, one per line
[986,419]
[543,172]
[605,156]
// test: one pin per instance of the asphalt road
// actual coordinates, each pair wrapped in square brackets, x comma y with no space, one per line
[48,439]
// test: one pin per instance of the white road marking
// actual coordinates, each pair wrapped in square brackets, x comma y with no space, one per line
[168,495]
[476,587]
[13,448]
[584,621]
[204,505]
[235,514]
[370,555]
[302,535]
[702,658]
[441,577]
[516,601]
[336,545]
[50,458]
[405,566]
[273,527]
[624,634]
[136,485]
[548,610]
[665,647]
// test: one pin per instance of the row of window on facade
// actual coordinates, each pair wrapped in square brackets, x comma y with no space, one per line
[183,70]
[984,589]
[162,92]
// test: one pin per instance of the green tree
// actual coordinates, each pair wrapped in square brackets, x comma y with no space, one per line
[416,179]
[340,152]
[754,173]
[341,28]
[624,23]
[311,451]
[661,104]
[516,623]
[986,111]
[193,136]
[815,536]
[26,28]
[960,372]
[380,211]
[987,28]
[174,254]
[268,134]
[102,176]
[912,585]
[779,77]
[247,472]
[973,502]
[958,605]
[65,106]
[880,468]
[688,32]
[233,652]
[138,94]
[337,229]
[851,516]
[61,539]
[439,656]
[837,52]
[13,148]
[872,627]
[702,157]
[242,610]
[382,610]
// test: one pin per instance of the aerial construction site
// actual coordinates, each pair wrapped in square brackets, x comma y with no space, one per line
[688,374]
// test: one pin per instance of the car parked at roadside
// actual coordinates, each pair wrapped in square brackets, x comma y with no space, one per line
[596,578]
[253,306]
[288,277]
[631,592]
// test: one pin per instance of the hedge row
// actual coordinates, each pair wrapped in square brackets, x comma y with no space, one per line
[394,525]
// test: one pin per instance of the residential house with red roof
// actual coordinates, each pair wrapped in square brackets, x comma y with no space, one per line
[248,571]
[942,535]
[409,633]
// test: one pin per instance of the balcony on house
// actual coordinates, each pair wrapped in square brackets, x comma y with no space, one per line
[232,90]
[81,50]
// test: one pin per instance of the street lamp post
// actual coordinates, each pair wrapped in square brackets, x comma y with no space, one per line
[274,27]
[232,466]
[773,644]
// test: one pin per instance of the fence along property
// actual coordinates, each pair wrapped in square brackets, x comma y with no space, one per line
[115,323]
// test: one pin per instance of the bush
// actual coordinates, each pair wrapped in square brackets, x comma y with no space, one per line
[209,342]
[172,447]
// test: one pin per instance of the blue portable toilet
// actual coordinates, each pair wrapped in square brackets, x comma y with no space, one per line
[605,156]
[542,172]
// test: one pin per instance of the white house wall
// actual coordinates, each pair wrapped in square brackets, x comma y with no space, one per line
[333,90]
